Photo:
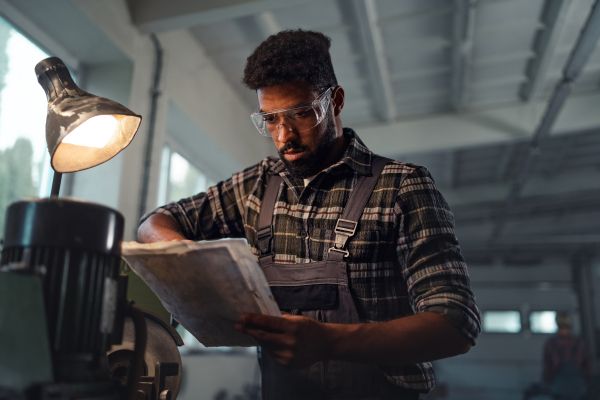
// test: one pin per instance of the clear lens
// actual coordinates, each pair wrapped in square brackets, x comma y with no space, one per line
[296,119]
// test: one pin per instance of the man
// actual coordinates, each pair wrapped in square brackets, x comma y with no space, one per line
[567,364]
[358,250]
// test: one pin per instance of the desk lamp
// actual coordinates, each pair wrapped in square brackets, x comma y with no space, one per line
[82,130]
[62,301]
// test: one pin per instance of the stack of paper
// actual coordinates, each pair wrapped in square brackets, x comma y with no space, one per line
[205,285]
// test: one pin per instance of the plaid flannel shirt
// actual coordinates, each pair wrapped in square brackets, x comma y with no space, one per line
[404,257]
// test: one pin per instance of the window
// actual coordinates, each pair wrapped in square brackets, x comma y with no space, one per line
[543,322]
[179,178]
[502,321]
[24,161]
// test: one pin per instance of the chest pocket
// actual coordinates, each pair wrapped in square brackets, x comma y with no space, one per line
[307,297]
[363,247]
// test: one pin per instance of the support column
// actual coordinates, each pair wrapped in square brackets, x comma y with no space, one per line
[583,284]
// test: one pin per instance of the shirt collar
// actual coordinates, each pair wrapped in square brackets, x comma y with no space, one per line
[357,157]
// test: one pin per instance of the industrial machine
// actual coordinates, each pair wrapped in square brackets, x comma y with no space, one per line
[67,330]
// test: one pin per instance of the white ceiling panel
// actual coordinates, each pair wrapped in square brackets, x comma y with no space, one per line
[494,15]
[506,45]
[401,63]
[499,95]
[421,28]
[409,8]
[410,87]
[497,72]
[310,16]
[427,104]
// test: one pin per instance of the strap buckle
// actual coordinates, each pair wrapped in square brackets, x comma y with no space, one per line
[265,232]
[345,227]
[343,230]
[264,236]
[344,252]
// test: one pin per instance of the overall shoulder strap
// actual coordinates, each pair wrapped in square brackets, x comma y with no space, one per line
[265,219]
[346,225]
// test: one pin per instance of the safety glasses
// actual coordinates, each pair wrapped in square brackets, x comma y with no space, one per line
[297,119]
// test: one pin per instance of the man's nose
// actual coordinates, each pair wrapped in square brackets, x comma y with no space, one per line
[285,132]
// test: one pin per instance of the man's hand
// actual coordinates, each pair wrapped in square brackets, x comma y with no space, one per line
[292,341]
[159,228]
[297,342]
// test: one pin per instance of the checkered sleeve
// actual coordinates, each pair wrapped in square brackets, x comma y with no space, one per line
[429,253]
[216,214]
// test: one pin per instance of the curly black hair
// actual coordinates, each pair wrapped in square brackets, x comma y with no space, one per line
[291,56]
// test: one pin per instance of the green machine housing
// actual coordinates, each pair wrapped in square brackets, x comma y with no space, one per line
[62,300]
[67,330]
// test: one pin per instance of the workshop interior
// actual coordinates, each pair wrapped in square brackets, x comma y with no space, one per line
[111,108]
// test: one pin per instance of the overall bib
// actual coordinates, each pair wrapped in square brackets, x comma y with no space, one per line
[320,290]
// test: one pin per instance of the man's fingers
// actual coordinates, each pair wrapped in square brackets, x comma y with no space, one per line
[263,322]
[267,339]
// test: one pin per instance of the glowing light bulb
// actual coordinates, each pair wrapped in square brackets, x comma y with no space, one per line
[95,132]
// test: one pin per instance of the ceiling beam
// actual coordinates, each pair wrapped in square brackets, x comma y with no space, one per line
[500,248]
[529,285]
[467,195]
[374,50]
[536,206]
[462,38]
[504,81]
[504,163]
[503,58]
[267,23]
[160,15]
[562,155]
[553,18]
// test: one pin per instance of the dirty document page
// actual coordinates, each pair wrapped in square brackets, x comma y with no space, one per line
[205,285]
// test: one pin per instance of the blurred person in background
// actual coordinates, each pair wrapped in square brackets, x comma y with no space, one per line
[567,364]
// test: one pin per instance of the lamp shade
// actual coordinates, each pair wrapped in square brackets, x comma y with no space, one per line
[82,130]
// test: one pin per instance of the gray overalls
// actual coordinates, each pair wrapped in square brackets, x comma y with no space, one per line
[319,290]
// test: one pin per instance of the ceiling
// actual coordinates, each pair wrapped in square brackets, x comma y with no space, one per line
[431,55]
[559,207]
[401,60]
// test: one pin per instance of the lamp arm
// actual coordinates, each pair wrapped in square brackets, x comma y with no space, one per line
[56,184]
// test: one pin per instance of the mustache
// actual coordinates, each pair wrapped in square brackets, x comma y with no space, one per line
[291,146]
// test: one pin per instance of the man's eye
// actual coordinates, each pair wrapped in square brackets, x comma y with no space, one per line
[269,119]
[301,114]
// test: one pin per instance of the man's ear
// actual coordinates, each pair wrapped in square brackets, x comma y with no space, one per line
[337,100]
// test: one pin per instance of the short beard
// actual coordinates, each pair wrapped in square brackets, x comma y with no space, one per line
[311,164]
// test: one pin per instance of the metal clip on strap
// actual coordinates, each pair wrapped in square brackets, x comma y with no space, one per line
[264,235]
[344,229]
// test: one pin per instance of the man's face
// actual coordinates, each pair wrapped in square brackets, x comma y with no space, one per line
[303,153]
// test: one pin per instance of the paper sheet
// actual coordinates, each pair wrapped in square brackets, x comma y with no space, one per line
[205,285]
